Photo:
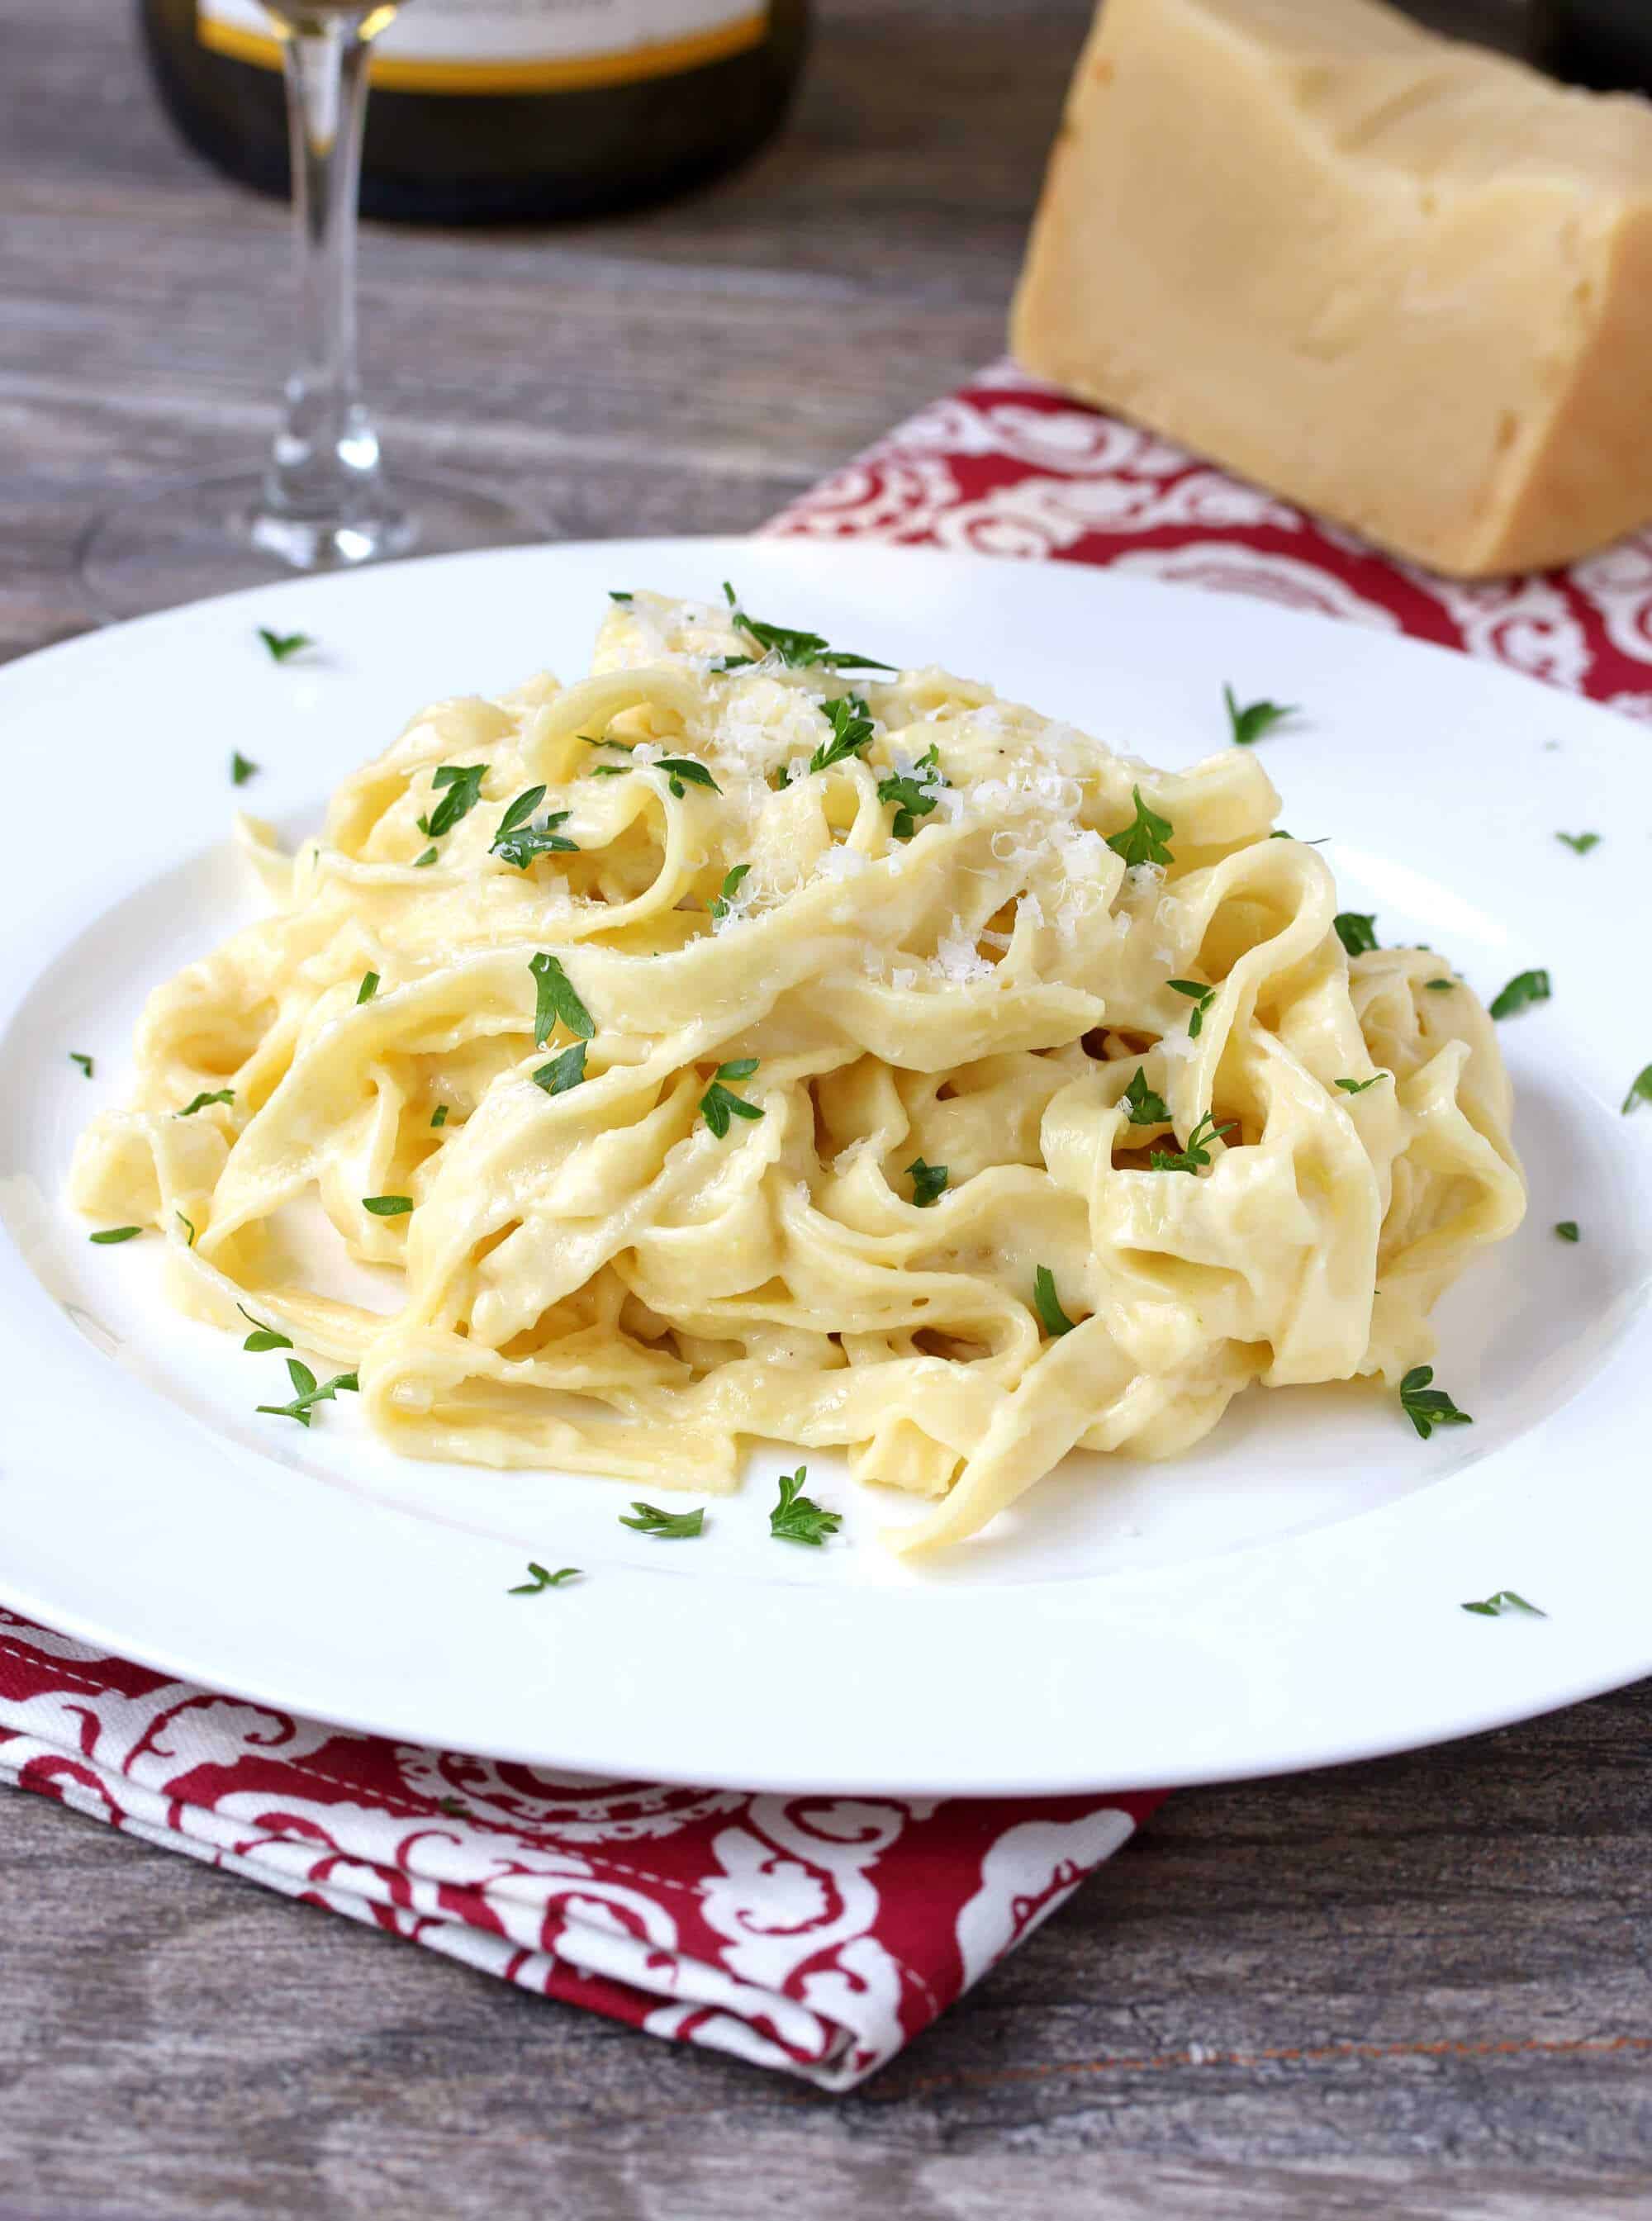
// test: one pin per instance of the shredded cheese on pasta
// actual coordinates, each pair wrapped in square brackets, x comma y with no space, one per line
[596,1279]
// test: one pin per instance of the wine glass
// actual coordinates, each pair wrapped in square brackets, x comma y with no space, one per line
[323,501]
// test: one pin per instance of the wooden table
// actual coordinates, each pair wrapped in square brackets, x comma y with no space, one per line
[1418,1987]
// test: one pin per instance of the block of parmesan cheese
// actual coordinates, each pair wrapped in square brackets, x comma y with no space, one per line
[1403,282]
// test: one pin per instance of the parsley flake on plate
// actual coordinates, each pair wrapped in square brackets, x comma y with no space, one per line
[1504,1601]
[1640,1091]
[1579,843]
[1567,1229]
[670,1526]
[539,1580]
[1250,722]
[282,645]
[110,1234]
[242,769]
[1428,1407]
[262,1337]
[309,1394]
[1522,992]
[1356,930]
[797,1518]
[78,1056]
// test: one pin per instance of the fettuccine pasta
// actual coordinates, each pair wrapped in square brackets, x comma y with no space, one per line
[743,1043]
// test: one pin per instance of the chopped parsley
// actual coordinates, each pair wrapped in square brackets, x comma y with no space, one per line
[438,1115]
[111,1233]
[1579,843]
[1142,1105]
[1255,718]
[1505,1600]
[539,1580]
[242,769]
[281,644]
[679,768]
[929,1182]
[368,988]
[1197,1151]
[799,650]
[1143,842]
[78,1056]
[188,1225]
[557,999]
[719,1103]
[1356,930]
[223,1095]
[519,842]
[464,785]
[852,728]
[614,595]
[309,1394]
[798,1517]
[387,1207]
[1439,986]
[428,857]
[1523,990]
[563,1072]
[671,1526]
[1280,834]
[1640,1091]
[1047,1303]
[609,771]
[1427,1407]
[912,793]
[262,1337]
[1200,995]
[1567,1229]
[732,880]
[1359,1087]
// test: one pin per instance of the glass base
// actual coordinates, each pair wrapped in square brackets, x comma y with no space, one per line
[188,538]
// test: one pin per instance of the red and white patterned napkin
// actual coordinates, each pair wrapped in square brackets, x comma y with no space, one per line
[817,1934]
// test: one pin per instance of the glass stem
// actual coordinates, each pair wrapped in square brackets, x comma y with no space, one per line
[325,500]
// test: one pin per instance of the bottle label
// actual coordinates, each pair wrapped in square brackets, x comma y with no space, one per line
[516,46]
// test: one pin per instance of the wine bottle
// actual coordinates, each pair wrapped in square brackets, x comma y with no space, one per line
[484,111]
[1603,43]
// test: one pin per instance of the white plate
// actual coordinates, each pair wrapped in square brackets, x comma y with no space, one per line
[1288,1595]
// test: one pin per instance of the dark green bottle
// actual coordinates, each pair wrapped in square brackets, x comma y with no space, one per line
[487,111]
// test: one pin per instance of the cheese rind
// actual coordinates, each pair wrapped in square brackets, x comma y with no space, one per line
[1403,282]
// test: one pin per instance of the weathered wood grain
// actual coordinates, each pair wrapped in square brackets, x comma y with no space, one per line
[1416,1988]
